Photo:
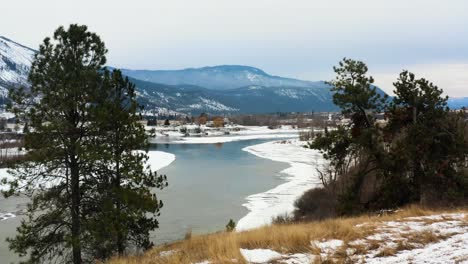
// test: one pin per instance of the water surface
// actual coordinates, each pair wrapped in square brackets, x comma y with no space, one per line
[208,184]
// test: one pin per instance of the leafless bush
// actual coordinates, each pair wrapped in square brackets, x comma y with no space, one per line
[306,135]
[315,204]
[283,219]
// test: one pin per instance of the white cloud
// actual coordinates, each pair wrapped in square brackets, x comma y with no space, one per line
[451,77]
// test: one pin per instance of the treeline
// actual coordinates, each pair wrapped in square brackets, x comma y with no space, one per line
[92,196]
[300,120]
[417,155]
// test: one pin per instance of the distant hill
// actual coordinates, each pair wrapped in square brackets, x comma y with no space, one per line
[219,89]
[457,103]
[249,99]
[222,77]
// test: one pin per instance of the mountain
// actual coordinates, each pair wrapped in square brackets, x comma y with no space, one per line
[457,102]
[217,89]
[15,62]
[222,77]
[248,99]
[230,89]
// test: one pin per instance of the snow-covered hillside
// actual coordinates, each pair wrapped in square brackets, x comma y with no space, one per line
[222,77]
[434,239]
[214,90]
[15,62]
[222,89]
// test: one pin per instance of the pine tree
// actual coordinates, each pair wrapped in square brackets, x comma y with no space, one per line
[92,195]
[65,82]
[419,155]
[126,207]
[428,139]
[356,144]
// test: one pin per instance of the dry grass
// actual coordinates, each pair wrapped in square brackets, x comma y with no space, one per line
[423,237]
[404,245]
[224,247]
[386,252]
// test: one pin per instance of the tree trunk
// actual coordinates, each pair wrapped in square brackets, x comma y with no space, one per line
[75,210]
[118,183]
[417,177]
[120,240]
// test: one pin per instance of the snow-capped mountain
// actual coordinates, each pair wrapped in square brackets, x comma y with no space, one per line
[217,89]
[249,99]
[217,77]
[230,88]
[15,62]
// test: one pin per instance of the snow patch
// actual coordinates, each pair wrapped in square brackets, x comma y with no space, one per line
[6,216]
[328,246]
[159,159]
[224,139]
[260,255]
[300,177]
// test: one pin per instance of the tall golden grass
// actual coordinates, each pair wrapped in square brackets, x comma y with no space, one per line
[223,247]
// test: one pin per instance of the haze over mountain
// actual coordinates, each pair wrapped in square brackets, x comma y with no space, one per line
[221,77]
[248,99]
[215,89]
[218,89]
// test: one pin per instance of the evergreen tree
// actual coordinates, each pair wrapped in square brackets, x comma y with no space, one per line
[427,138]
[356,144]
[91,194]
[126,208]
[57,174]
[419,155]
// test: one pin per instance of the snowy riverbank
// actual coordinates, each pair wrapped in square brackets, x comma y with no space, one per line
[225,139]
[156,160]
[212,136]
[160,159]
[300,177]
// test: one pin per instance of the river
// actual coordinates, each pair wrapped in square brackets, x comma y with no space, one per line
[208,184]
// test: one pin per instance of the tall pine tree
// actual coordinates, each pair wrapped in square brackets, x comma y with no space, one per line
[125,213]
[65,80]
[91,194]
[427,138]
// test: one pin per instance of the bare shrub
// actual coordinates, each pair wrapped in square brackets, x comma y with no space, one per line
[283,219]
[315,204]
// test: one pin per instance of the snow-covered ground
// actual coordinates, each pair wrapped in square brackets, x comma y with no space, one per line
[450,244]
[300,177]
[212,135]
[159,159]
[224,139]
[156,160]
[6,115]
[452,230]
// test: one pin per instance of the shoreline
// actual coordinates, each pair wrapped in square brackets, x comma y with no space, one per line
[248,133]
[156,160]
[299,177]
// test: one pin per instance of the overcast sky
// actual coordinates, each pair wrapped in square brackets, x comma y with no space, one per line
[293,38]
